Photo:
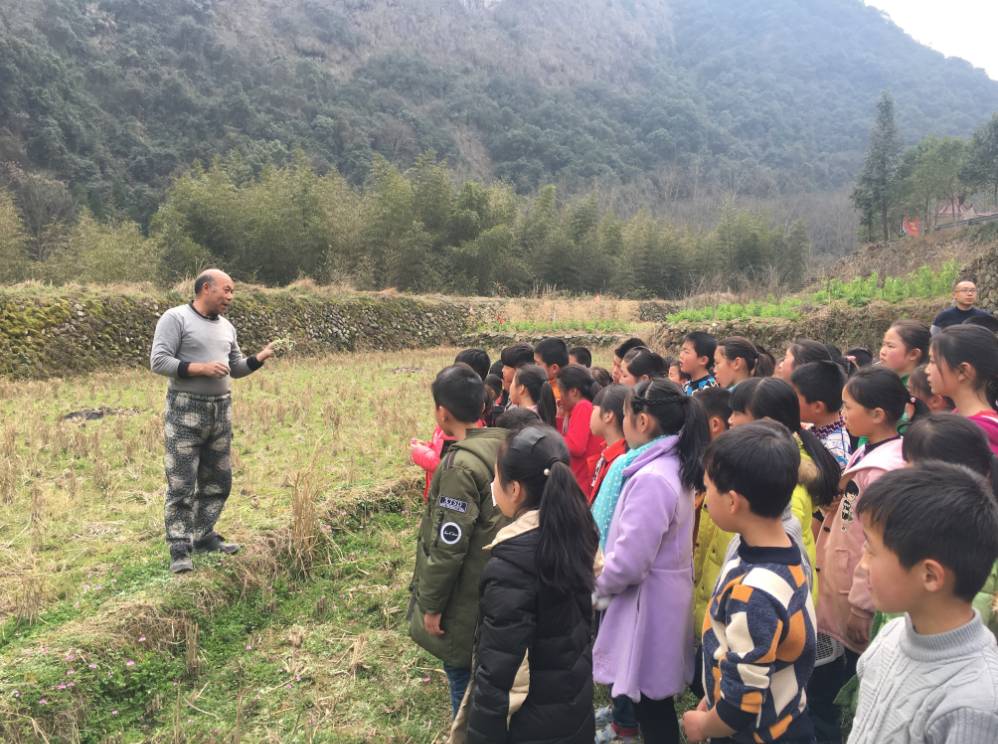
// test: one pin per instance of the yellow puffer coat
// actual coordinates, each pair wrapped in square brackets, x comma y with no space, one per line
[712,542]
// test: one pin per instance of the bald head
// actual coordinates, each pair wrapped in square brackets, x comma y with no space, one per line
[208,277]
[213,290]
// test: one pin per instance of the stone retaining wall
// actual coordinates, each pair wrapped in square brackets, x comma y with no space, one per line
[56,333]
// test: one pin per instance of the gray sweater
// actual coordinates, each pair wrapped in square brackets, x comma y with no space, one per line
[184,336]
[928,688]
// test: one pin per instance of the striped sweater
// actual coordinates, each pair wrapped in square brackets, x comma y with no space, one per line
[759,645]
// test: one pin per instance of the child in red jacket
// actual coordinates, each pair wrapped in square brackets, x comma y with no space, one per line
[578,388]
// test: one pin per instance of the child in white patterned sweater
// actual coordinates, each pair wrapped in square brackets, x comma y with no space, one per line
[932,676]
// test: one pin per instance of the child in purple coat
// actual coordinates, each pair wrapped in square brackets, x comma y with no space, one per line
[644,647]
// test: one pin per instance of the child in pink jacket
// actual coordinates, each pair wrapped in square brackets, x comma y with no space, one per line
[874,400]
[427,455]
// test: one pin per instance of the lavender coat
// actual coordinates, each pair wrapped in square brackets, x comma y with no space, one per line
[645,641]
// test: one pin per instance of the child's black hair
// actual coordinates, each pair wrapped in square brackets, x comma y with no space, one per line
[759,460]
[537,458]
[496,368]
[582,355]
[577,377]
[879,387]
[985,321]
[775,399]
[460,390]
[914,334]
[951,438]
[862,355]
[918,384]
[805,350]
[477,359]
[643,361]
[765,366]
[703,344]
[493,391]
[716,402]
[493,383]
[632,343]
[535,380]
[940,511]
[739,347]
[552,350]
[820,382]
[602,376]
[675,413]
[517,355]
[518,418]
[741,396]
[973,345]
[611,399]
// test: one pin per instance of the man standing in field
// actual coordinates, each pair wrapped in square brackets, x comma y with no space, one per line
[196,348]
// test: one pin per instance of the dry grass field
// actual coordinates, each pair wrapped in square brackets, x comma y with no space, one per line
[298,638]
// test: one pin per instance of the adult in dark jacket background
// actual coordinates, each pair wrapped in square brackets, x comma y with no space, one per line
[532,674]
[963,308]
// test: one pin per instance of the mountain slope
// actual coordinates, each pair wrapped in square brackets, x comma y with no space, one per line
[755,97]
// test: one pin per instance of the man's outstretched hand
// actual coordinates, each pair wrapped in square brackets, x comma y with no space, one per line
[266,352]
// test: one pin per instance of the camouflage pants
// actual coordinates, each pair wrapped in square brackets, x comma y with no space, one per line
[198,465]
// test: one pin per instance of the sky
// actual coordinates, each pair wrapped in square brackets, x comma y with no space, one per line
[957,28]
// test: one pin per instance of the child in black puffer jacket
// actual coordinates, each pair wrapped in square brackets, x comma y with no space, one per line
[532,674]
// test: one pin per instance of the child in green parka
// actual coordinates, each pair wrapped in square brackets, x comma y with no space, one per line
[459,520]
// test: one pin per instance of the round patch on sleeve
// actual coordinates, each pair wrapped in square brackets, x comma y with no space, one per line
[450,533]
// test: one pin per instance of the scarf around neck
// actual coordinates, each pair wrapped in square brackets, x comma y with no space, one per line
[605,502]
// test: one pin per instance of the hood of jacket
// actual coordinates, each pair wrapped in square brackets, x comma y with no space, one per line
[886,456]
[808,474]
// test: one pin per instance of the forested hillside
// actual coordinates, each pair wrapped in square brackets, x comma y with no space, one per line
[668,98]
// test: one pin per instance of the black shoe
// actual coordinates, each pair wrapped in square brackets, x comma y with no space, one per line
[215,543]
[180,561]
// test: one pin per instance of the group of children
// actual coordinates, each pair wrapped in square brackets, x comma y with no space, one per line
[808,545]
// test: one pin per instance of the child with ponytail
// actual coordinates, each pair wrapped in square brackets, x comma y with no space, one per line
[641,364]
[963,366]
[578,388]
[535,603]
[530,389]
[905,347]
[735,360]
[644,647]
[873,402]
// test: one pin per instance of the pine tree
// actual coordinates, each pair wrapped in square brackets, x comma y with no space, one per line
[875,192]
